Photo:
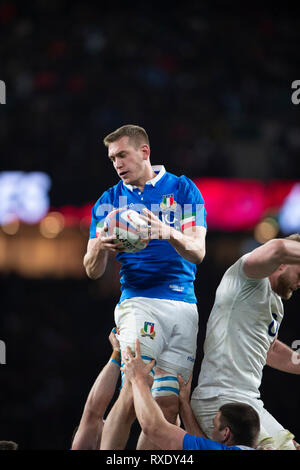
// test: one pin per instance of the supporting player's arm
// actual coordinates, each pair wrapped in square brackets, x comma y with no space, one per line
[95,259]
[88,435]
[163,434]
[190,243]
[190,422]
[264,260]
[282,357]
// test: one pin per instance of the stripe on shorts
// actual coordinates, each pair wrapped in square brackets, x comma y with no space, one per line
[167,383]
[165,389]
[148,359]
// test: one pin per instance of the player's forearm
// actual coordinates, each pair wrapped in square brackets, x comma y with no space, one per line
[103,390]
[266,259]
[283,358]
[95,262]
[147,410]
[289,252]
[189,248]
[189,420]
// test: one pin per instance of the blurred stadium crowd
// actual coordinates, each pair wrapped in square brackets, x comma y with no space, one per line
[212,86]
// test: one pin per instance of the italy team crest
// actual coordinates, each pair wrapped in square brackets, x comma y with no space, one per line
[148,330]
[168,203]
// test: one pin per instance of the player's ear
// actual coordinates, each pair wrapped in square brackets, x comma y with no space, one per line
[282,267]
[226,433]
[146,151]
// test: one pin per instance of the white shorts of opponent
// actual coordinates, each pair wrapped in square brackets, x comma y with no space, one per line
[167,331]
[272,434]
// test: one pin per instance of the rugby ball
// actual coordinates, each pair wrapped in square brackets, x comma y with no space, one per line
[123,224]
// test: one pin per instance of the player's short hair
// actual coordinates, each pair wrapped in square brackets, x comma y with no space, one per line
[243,422]
[294,236]
[137,135]
[8,445]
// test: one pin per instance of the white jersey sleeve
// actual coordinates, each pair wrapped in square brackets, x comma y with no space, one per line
[242,325]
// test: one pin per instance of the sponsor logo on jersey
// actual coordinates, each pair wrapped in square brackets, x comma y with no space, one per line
[273,327]
[148,330]
[190,358]
[176,288]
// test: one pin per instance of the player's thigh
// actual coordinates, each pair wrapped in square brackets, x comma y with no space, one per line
[273,434]
[179,355]
[205,410]
[136,318]
[179,321]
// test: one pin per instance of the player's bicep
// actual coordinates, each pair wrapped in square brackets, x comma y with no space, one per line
[263,261]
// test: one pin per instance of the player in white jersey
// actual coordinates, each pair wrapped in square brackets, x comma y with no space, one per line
[242,335]
[235,426]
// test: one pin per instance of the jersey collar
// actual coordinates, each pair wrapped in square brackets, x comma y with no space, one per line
[158,169]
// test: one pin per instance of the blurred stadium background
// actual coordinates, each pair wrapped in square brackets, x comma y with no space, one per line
[211,83]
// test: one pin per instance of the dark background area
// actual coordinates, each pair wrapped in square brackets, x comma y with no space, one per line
[211,83]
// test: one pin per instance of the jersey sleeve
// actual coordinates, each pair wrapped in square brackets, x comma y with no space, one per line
[201,443]
[241,272]
[100,210]
[193,211]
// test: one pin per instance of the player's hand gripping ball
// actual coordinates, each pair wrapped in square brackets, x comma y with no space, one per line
[126,225]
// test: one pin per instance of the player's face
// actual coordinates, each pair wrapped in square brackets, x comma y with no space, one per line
[288,281]
[128,161]
[217,434]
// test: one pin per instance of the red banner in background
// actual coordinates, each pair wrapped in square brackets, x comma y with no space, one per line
[231,204]
[239,204]
[75,215]
[278,191]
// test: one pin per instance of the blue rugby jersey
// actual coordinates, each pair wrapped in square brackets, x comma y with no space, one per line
[158,271]
[201,443]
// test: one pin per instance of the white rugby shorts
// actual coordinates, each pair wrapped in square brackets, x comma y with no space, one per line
[166,329]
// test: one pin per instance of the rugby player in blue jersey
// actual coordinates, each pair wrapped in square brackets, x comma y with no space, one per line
[158,303]
[235,427]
